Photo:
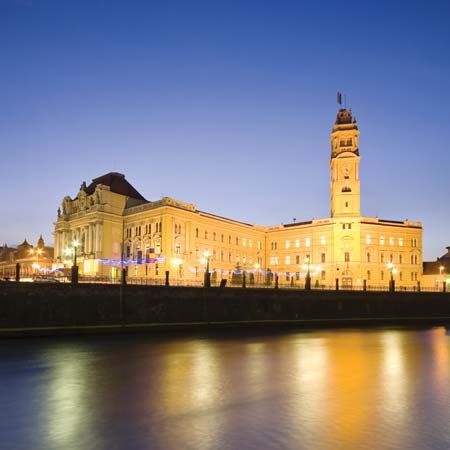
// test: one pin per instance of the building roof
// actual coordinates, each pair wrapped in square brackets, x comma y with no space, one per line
[434,267]
[117,184]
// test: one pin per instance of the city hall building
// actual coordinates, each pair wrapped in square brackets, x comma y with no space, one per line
[115,225]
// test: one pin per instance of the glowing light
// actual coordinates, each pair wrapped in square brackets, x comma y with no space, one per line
[177,262]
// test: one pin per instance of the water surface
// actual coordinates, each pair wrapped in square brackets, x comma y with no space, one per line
[341,389]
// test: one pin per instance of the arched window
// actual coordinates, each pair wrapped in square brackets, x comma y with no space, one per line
[196,232]
[346,189]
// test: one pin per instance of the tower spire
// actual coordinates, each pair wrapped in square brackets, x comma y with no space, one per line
[344,166]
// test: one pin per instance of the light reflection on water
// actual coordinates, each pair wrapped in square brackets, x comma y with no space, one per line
[340,389]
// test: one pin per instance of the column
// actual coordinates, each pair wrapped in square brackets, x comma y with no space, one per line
[97,235]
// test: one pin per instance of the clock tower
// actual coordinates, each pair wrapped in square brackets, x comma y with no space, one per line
[344,166]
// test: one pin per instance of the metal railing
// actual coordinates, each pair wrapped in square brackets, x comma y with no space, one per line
[146,281]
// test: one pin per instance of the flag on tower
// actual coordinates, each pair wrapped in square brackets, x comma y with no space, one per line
[339,98]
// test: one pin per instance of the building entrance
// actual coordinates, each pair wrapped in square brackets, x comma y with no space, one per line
[346,282]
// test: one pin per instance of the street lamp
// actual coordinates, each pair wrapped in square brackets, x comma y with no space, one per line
[73,251]
[257,266]
[307,265]
[205,260]
[393,271]
[37,252]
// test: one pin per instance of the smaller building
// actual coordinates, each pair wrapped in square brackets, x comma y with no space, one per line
[436,273]
[34,260]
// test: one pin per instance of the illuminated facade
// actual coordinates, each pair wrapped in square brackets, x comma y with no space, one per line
[110,218]
[33,260]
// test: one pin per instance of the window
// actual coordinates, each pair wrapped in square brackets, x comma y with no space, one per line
[400,259]
[400,242]
[221,238]
[214,236]
[244,242]
[158,248]
[250,243]
[156,269]
[368,257]
[287,260]
[297,259]
[229,239]
[346,189]
[206,235]
[196,232]
[381,240]
[221,255]
[229,256]
[368,239]
[273,260]
[288,276]
[297,243]
[391,241]
[368,275]
[346,204]
[244,259]
[382,275]
[323,240]
[259,245]
[177,248]
[322,257]
[322,275]
[308,242]
[347,256]
[413,242]
[237,241]
[391,257]
[287,244]
[400,276]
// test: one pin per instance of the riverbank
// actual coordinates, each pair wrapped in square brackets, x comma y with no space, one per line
[45,309]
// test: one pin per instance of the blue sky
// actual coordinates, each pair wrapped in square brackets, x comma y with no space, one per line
[228,105]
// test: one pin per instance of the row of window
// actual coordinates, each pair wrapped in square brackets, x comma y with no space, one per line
[138,229]
[221,255]
[414,275]
[245,242]
[296,243]
[391,241]
[273,260]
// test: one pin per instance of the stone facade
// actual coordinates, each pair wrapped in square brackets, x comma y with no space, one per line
[110,218]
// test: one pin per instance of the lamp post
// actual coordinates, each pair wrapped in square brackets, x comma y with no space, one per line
[37,252]
[73,251]
[393,271]
[308,273]
[257,267]
[205,260]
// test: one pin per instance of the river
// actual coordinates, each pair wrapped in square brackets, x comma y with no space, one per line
[347,389]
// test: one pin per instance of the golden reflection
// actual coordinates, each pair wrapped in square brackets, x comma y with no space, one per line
[65,406]
[190,391]
[393,379]
[440,348]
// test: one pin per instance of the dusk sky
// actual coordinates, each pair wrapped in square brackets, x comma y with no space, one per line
[227,105]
